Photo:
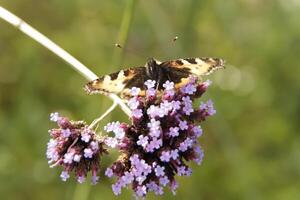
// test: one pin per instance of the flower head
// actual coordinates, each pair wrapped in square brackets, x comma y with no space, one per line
[155,147]
[161,143]
[75,147]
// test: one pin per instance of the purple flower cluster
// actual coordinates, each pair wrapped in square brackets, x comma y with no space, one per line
[161,140]
[158,144]
[75,147]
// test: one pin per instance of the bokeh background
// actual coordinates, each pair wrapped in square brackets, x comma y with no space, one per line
[252,144]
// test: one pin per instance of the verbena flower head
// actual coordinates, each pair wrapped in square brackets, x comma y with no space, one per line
[161,140]
[75,147]
[157,145]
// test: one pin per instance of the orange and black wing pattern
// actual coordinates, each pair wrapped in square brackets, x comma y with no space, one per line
[179,70]
[119,82]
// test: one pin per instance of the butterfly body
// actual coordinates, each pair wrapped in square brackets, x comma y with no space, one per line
[177,71]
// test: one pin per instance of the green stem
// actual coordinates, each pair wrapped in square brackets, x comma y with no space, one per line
[124,32]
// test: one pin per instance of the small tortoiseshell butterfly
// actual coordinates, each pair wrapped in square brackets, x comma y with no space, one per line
[177,71]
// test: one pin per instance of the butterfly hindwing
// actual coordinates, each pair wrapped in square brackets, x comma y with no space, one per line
[195,66]
[179,70]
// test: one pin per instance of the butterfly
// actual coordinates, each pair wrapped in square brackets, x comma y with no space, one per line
[178,71]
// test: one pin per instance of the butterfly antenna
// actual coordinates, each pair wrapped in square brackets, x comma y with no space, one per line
[175,38]
[118,45]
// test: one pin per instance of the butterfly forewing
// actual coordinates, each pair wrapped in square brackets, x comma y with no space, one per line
[118,82]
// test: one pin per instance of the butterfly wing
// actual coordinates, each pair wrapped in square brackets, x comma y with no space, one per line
[179,70]
[118,82]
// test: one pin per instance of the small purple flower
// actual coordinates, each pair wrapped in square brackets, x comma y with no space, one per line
[208,107]
[187,100]
[143,140]
[116,128]
[150,83]
[176,105]
[94,145]
[181,170]
[174,131]
[189,89]
[168,85]
[116,188]
[156,143]
[188,107]
[151,92]
[158,190]
[133,103]
[127,178]
[68,158]
[169,94]
[154,127]
[109,172]
[81,179]
[197,131]
[161,112]
[64,175]
[188,172]
[183,125]
[152,111]
[119,133]
[140,179]
[189,142]
[159,170]
[111,142]
[183,147]
[52,153]
[174,186]
[134,159]
[137,113]
[95,179]
[135,91]
[150,147]
[165,156]
[141,191]
[166,106]
[121,182]
[111,126]
[77,158]
[151,186]
[85,137]
[66,132]
[174,154]
[207,83]
[54,117]
[88,153]
[155,133]
[154,124]
[200,155]
[164,180]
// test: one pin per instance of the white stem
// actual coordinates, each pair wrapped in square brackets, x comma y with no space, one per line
[46,42]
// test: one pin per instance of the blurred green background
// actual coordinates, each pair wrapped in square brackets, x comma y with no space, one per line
[252,144]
